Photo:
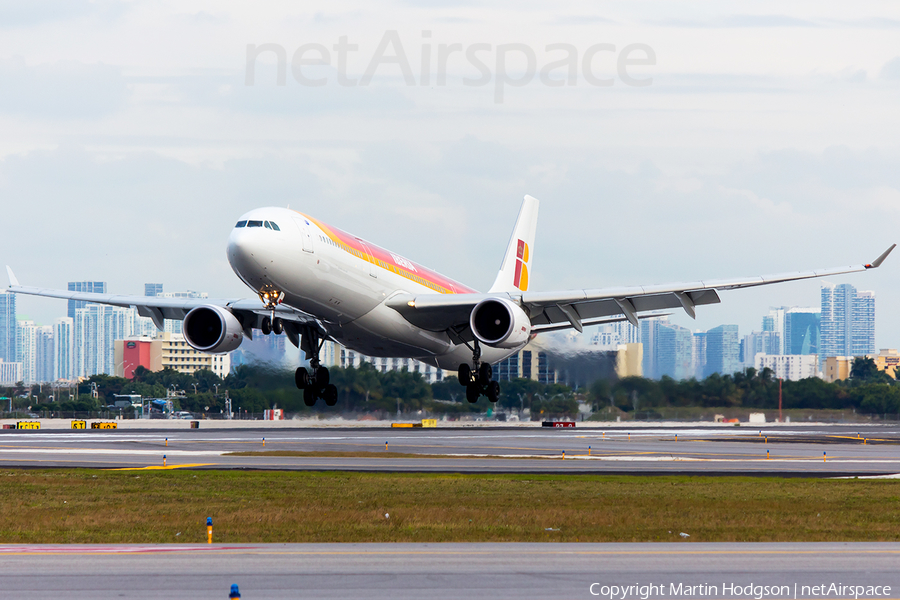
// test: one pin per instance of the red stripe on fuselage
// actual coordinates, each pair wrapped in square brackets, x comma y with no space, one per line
[384,259]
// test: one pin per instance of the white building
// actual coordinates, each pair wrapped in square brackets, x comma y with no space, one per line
[26,350]
[10,372]
[166,351]
[63,348]
[612,335]
[792,367]
[335,355]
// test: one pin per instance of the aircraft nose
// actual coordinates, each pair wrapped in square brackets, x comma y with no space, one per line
[241,252]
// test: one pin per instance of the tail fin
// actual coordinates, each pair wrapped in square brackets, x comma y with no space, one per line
[516,268]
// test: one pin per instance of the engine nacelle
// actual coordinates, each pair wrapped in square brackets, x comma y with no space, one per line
[212,329]
[500,323]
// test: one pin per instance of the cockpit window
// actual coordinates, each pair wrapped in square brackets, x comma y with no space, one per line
[254,224]
[274,226]
[241,224]
[266,223]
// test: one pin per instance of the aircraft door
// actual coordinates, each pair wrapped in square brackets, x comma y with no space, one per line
[305,233]
[373,269]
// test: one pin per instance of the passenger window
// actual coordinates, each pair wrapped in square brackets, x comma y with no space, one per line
[274,226]
[254,224]
[241,224]
[266,223]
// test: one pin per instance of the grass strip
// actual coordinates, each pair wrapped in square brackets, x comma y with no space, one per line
[98,506]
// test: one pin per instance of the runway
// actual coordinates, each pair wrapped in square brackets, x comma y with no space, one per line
[439,571]
[798,451]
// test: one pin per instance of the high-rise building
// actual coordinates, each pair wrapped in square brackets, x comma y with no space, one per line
[63,348]
[7,326]
[153,289]
[760,342]
[775,322]
[668,349]
[863,336]
[26,349]
[722,350]
[698,354]
[97,327]
[94,287]
[44,354]
[650,339]
[847,322]
[674,352]
[801,330]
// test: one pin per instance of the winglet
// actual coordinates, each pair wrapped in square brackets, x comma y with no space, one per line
[13,282]
[873,265]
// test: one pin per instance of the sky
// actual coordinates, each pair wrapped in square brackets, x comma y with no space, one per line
[667,141]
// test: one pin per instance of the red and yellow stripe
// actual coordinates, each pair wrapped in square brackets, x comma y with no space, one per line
[384,259]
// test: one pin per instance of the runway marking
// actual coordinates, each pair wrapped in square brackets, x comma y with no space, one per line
[113,451]
[158,468]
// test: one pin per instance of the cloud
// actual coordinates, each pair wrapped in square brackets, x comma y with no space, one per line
[14,13]
[64,89]
[228,90]
[891,69]
[739,21]
[582,20]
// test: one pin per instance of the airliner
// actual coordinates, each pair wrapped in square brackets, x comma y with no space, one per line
[315,282]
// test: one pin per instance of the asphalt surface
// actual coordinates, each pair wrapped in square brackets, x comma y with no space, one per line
[798,451]
[437,571]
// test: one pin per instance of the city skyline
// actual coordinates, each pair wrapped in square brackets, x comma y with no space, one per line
[668,349]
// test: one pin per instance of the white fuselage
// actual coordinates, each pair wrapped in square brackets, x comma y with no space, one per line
[344,281]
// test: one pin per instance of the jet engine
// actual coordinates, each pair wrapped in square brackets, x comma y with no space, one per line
[212,329]
[500,323]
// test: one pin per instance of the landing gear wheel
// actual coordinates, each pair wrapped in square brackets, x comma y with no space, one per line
[472,393]
[330,394]
[322,377]
[493,391]
[266,326]
[465,374]
[277,326]
[301,378]
[485,372]
[309,396]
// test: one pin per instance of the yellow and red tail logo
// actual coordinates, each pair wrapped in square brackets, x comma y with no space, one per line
[521,278]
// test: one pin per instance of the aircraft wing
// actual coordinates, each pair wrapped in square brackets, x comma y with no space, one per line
[249,312]
[580,308]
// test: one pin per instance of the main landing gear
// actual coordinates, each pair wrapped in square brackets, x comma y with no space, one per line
[315,384]
[477,379]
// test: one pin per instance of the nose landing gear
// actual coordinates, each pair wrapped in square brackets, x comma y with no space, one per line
[478,379]
[271,298]
[316,384]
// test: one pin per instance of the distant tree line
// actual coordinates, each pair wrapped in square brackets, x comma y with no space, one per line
[867,391]
[254,388]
